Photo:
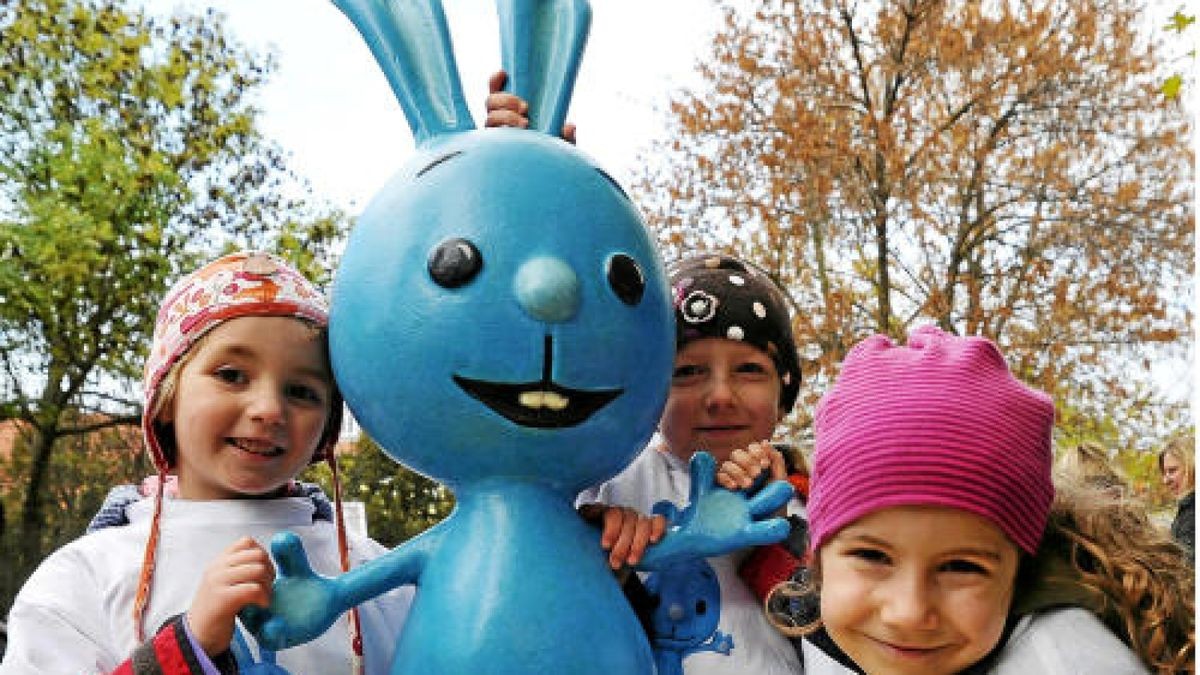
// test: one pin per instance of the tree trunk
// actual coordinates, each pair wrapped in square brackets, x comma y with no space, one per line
[32,519]
[883,282]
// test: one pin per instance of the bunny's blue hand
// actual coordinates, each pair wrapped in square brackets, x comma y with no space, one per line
[247,664]
[303,603]
[717,520]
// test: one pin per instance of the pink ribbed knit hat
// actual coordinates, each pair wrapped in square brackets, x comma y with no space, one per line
[938,422]
[247,283]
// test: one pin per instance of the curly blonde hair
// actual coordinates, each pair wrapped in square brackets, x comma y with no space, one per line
[1099,552]
[1143,580]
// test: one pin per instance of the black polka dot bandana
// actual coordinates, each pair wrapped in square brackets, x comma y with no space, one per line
[720,296]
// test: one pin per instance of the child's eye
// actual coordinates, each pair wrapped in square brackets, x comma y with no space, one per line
[303,392]
[962,567]
[686,372]
[869,555]
[230,375]
[751,368]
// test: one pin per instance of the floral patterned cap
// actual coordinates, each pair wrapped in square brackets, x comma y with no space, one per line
[247,283]
[719,296]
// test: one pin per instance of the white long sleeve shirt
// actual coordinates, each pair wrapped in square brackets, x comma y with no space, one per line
[75,613]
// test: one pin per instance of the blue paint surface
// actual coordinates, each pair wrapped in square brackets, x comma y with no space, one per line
[501,323]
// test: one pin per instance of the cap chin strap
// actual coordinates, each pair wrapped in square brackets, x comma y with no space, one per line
[146,576]
[356,644]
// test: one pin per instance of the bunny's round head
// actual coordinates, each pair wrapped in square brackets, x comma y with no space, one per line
[500,311]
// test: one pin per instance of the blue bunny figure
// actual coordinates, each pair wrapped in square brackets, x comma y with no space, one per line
[501,323]
[247,663]
[686,610]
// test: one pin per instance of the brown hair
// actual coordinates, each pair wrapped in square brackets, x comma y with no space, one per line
[1089,462]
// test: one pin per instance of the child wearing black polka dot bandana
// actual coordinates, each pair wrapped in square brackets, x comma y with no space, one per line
[718,296]
[736,374]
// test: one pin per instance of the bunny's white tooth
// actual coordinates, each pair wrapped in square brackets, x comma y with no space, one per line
[555,401]
[543,399]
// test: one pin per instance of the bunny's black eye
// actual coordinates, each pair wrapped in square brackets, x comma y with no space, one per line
[626,279]
[454,262]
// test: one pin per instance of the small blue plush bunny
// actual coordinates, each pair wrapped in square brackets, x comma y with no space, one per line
[501,323]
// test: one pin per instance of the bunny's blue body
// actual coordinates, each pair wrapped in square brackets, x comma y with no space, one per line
[514,581]
[501,322]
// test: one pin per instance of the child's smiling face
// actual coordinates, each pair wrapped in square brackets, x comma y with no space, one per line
[250,408]
[917,589]
[724,396]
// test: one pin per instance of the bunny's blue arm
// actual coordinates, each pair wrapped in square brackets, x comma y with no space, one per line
[717,520]
[304,604]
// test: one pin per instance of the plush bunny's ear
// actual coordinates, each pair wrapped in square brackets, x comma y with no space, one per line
[411,42]
[541,45]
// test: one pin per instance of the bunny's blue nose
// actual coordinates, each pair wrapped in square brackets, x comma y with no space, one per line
[547,289]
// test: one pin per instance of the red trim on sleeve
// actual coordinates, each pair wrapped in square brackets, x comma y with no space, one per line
[168,646]
[766,567]
[800,483]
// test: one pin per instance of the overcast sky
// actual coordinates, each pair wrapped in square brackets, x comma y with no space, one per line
[329,105]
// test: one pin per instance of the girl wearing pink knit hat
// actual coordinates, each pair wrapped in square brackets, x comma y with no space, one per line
[941,547]
[239,400]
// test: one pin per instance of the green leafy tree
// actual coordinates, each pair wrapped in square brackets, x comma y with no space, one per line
[400,503]
[1004,169]
[128,152]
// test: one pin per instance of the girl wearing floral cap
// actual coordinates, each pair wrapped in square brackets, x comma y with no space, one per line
[941,546]
[239,399]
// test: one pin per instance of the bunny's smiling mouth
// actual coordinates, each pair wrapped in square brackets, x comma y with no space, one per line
[543,404]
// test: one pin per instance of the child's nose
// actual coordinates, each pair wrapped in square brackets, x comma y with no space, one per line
[908,603]
[721,391]
[267,405]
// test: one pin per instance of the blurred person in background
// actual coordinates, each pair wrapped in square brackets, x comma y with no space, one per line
[1177,463]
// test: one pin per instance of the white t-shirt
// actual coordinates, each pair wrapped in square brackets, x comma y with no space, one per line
[757,647]
[75,613]
[1067,641]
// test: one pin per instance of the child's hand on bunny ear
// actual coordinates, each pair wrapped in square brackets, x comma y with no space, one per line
[505,109]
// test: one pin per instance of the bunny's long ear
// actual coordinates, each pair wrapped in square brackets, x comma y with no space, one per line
[411,42]
[541,45]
